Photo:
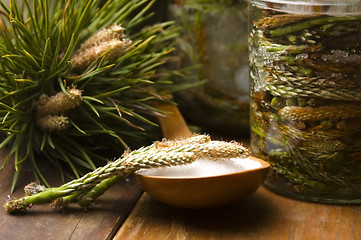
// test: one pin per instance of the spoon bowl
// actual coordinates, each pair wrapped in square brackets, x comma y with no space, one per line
[205,191]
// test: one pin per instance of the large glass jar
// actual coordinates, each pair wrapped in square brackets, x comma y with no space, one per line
[305,59]
[214,43]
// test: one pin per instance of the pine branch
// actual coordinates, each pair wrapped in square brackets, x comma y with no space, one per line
[104,50]
[164,153]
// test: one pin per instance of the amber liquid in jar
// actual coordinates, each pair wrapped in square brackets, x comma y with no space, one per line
[305,68]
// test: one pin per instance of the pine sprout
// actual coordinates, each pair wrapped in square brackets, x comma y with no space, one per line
[86,189]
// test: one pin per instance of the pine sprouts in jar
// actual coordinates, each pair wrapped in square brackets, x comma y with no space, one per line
[305,59]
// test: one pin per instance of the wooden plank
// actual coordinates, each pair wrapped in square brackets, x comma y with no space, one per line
[263,215]
[42,222]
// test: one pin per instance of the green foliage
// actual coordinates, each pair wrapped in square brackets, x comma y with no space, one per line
[37,41]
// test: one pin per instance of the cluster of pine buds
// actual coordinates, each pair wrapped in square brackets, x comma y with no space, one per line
[110,42]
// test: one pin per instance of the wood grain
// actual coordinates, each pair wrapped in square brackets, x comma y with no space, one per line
[42,222]
[263,215]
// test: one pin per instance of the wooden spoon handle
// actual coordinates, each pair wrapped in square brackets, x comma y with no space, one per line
[173,125]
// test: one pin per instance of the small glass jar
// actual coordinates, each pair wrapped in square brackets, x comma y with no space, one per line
[214,42]
[305,68]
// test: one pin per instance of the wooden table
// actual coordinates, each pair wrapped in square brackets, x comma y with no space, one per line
[125,213]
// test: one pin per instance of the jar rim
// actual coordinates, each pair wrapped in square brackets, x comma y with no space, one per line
[331,7]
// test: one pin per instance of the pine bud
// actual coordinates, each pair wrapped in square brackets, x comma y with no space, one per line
[114,32]
[59,103]
[110,42]
[53,122]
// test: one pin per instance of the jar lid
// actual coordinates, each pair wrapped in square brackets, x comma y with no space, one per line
[330,7]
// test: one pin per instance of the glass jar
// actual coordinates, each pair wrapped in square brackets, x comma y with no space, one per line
[305,68]
[214,42]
